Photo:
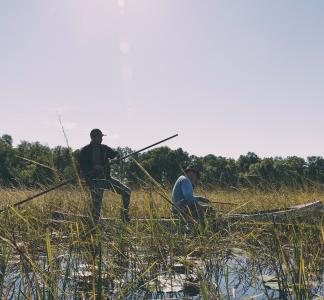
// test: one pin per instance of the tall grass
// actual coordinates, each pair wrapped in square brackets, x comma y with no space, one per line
[40,259]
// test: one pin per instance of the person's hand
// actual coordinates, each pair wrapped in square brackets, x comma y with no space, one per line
[203,199]
[116,159]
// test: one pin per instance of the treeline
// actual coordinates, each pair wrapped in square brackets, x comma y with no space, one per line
[33,164]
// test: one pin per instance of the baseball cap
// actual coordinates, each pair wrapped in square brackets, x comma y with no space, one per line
[96,132]
[193,168]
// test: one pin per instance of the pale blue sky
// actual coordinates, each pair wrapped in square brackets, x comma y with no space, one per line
[228,76]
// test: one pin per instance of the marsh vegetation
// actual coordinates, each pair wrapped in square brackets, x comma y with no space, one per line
[43,259]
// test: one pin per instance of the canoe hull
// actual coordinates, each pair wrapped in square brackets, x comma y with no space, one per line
[306,211]
[311,209]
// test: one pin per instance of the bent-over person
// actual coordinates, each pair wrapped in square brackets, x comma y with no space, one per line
[183,199]
[94,163]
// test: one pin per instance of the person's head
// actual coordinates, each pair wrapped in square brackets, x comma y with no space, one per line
[193,173]
[96,136]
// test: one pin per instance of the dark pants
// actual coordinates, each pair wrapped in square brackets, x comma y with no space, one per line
[97,188]
[198,210]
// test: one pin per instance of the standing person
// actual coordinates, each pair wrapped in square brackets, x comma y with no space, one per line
[183,197]
[94,163]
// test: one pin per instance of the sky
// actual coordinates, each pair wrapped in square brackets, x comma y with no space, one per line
[228,76]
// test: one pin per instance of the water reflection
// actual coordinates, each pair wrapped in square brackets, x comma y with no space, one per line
[136,273]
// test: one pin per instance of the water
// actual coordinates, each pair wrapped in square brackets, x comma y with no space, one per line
[230,275]
[152,262]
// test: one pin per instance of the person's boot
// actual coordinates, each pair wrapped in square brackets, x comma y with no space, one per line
[124,212]
[125,216]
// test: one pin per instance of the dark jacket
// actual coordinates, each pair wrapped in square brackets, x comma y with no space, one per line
[86,161]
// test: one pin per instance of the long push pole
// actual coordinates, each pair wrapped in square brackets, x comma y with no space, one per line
[138,151]
[70,180]
[65,182]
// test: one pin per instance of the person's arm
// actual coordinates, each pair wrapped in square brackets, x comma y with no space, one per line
[111,153]
[187,192]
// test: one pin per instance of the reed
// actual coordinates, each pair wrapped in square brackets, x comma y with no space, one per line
[42,260]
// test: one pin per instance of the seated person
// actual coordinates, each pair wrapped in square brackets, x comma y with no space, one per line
[182,194]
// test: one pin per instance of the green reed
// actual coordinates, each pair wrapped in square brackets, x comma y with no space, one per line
[146,250]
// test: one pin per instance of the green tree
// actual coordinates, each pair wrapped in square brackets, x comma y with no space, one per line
[34,174]
[7,155]
[315,168]
[7,139]
[218,171]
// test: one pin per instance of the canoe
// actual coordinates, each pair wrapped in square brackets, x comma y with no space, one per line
[310,210]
